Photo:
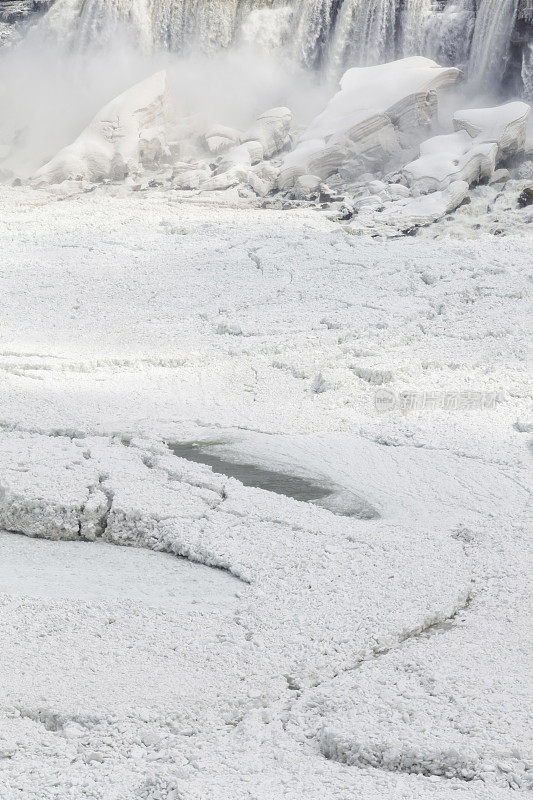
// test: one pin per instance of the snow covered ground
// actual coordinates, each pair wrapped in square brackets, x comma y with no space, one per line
[298,652]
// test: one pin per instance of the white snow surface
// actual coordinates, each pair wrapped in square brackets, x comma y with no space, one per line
[506,124]
[238,643]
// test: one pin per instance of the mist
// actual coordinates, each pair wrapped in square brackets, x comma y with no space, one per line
[50,91]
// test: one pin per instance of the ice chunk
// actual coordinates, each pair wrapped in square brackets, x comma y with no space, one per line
[505,125]
[126,136]
[366,117]
[271,129]
[482,137]
[406,213]
[449,158]
[220,138]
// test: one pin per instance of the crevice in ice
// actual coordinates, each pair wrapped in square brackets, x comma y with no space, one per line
[55,722]
[344,747]
[433,628]
[54,433]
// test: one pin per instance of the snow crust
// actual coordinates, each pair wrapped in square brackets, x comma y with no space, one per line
[356,657]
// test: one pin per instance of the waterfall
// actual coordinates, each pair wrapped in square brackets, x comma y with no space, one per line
[527,71]
[327,34]
[81,23]
[312,30]
[364,33]
[176,25]
[415,21]
[450,32]
[490,44]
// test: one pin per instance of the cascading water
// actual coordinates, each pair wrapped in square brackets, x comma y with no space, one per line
[312,30]
[527,71]
[327,34]
[490,44]
[364,33]
[176,25]
[415,24]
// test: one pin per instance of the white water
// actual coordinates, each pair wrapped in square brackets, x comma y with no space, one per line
[527,71]
[312,30]
[415,23]
[364,33]
[490,44]
[177,25]
[331,34]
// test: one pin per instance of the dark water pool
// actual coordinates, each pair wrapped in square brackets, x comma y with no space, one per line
[339,502]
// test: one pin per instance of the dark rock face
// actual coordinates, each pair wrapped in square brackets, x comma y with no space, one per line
[14,14]
[13,11]
[525,198]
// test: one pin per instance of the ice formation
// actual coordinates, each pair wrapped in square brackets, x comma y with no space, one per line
[453,157]
[505,125]
[363,121]
[483,137]
[337,299]
[368,127]
[127,135]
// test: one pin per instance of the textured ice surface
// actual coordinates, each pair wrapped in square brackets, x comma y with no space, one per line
[96,571]
[397,645]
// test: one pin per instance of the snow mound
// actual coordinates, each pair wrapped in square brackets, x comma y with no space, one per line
[506,125]
[482,138]
[365,118]
[127,136]
[449,158]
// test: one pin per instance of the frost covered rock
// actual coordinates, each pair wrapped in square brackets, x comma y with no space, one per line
[127,136]
[449,158]
[500,176]
[427,208]
[225,180]
[398,190]
[220,138]
[482,137]
[305,185]
[366,119]
[272,130]
[244,155]
[505,125]
[408,213]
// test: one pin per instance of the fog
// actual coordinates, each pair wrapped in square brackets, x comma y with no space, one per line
[49,91]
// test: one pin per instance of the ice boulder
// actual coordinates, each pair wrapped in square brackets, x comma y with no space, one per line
[244,155]
[482,138]
[423,210]
[449,158]
[408,213]
[505,125]
[375,108]
[271,129]
[220,138]
[127,136]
